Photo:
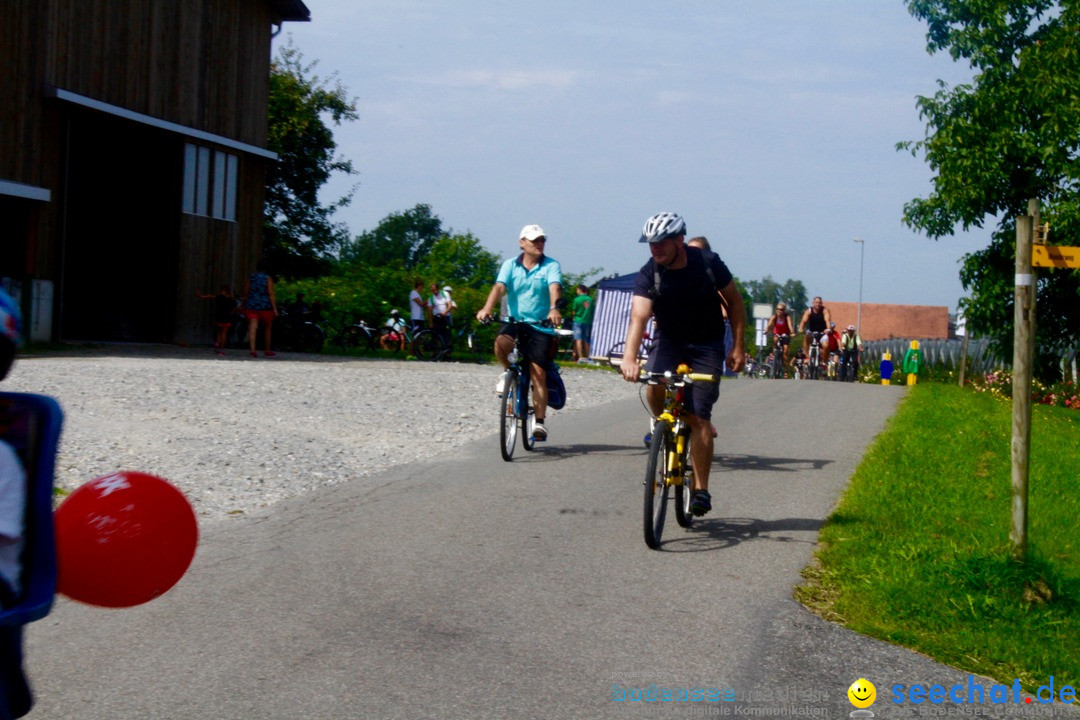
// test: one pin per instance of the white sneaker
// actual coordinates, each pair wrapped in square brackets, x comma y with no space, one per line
[501,385]
[539,431]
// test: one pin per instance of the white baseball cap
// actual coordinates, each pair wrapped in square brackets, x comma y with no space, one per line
[531,232]
[448,289]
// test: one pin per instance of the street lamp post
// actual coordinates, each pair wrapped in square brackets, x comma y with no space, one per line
[858,315]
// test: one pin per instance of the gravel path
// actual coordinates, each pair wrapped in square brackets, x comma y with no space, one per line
[237,434]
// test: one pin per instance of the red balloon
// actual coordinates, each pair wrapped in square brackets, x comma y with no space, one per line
[123,539]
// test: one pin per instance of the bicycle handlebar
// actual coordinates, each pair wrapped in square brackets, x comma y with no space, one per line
[689,378]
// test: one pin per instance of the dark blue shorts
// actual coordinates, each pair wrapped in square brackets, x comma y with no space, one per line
[700,397]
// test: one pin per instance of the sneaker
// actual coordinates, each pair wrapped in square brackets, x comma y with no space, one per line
[500,386]
[219,352]
[700,503]
[270,353]
[539,432]
[253,354]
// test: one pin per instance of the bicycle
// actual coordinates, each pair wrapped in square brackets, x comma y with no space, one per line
[358,335]
[815,355]
[615,354]
[778,355]
[515,411]
[757,367]
[429,344]
[668,465]
[834,367]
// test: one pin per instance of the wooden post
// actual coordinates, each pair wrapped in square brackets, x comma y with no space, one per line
[1023,351]
[963,355]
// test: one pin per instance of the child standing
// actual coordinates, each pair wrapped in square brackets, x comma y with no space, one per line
[224,307]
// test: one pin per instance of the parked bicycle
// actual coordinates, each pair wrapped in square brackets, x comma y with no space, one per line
[298,332]
[669,471]
[615,354]
[358,335]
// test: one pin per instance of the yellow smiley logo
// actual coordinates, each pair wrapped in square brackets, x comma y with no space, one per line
[862,693]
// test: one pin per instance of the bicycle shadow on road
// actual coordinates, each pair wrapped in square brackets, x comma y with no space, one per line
[546,453]
[721,533]
[732,463]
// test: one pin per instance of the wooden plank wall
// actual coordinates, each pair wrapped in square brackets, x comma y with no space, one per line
[200,63]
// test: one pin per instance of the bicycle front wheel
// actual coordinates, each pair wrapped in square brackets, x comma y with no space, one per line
[683,492]
[508,422]
[656,489]
[525,412]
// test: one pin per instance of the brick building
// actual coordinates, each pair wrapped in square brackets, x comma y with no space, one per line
[881,321]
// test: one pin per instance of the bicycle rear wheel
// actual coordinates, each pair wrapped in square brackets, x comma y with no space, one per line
[356,337]
[683,492]
[656,489]
[508,421]
[428,345]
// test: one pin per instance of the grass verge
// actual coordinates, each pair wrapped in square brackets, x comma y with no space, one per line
[917,551]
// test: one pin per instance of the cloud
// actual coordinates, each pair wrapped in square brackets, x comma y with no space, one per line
[505,79]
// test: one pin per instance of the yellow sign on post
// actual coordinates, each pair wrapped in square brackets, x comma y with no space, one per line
[1060,256]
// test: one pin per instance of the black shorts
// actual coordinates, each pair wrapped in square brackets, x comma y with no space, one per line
[700,397]
[538,347]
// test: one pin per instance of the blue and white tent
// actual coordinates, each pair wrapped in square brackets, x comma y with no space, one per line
[612,316]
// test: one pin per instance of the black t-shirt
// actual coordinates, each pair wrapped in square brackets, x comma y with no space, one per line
[687,307]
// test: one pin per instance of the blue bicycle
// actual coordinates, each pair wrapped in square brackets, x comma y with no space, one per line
[515,410]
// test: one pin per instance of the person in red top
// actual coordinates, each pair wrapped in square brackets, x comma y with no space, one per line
[782,328]
[832,338]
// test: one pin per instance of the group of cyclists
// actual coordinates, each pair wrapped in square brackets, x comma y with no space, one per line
[687,290]
[816,328]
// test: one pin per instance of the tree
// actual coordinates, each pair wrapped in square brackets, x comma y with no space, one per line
[401,239]
[768,291]
[1011,134]
[301,239]
[460,260]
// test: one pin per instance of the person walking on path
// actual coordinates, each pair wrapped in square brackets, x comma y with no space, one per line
[260,307]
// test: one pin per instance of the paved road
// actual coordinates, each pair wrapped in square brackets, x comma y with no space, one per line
[476,588]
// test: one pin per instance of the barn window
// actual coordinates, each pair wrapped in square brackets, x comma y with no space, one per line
[210,178]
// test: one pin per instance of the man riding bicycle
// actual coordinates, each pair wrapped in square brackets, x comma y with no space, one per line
[851,344]
[815,321]
[532,283]
[781,324]
[684,288]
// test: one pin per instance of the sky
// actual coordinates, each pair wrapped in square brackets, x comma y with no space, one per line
[771,127]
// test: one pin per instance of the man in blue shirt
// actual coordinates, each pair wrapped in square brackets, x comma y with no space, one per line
[683,287]
[532,283]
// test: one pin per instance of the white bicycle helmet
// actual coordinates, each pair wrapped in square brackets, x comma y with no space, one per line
[662,226]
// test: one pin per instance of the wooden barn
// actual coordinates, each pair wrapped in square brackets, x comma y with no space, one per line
[132,160]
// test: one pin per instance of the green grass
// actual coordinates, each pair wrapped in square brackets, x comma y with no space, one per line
[917,552]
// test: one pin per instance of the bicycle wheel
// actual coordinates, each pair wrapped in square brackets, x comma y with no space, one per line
[656,489]
[525,412]
[508,422]
[356,337]
[311,338]
[683,492]
[426,345]
[815,370]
